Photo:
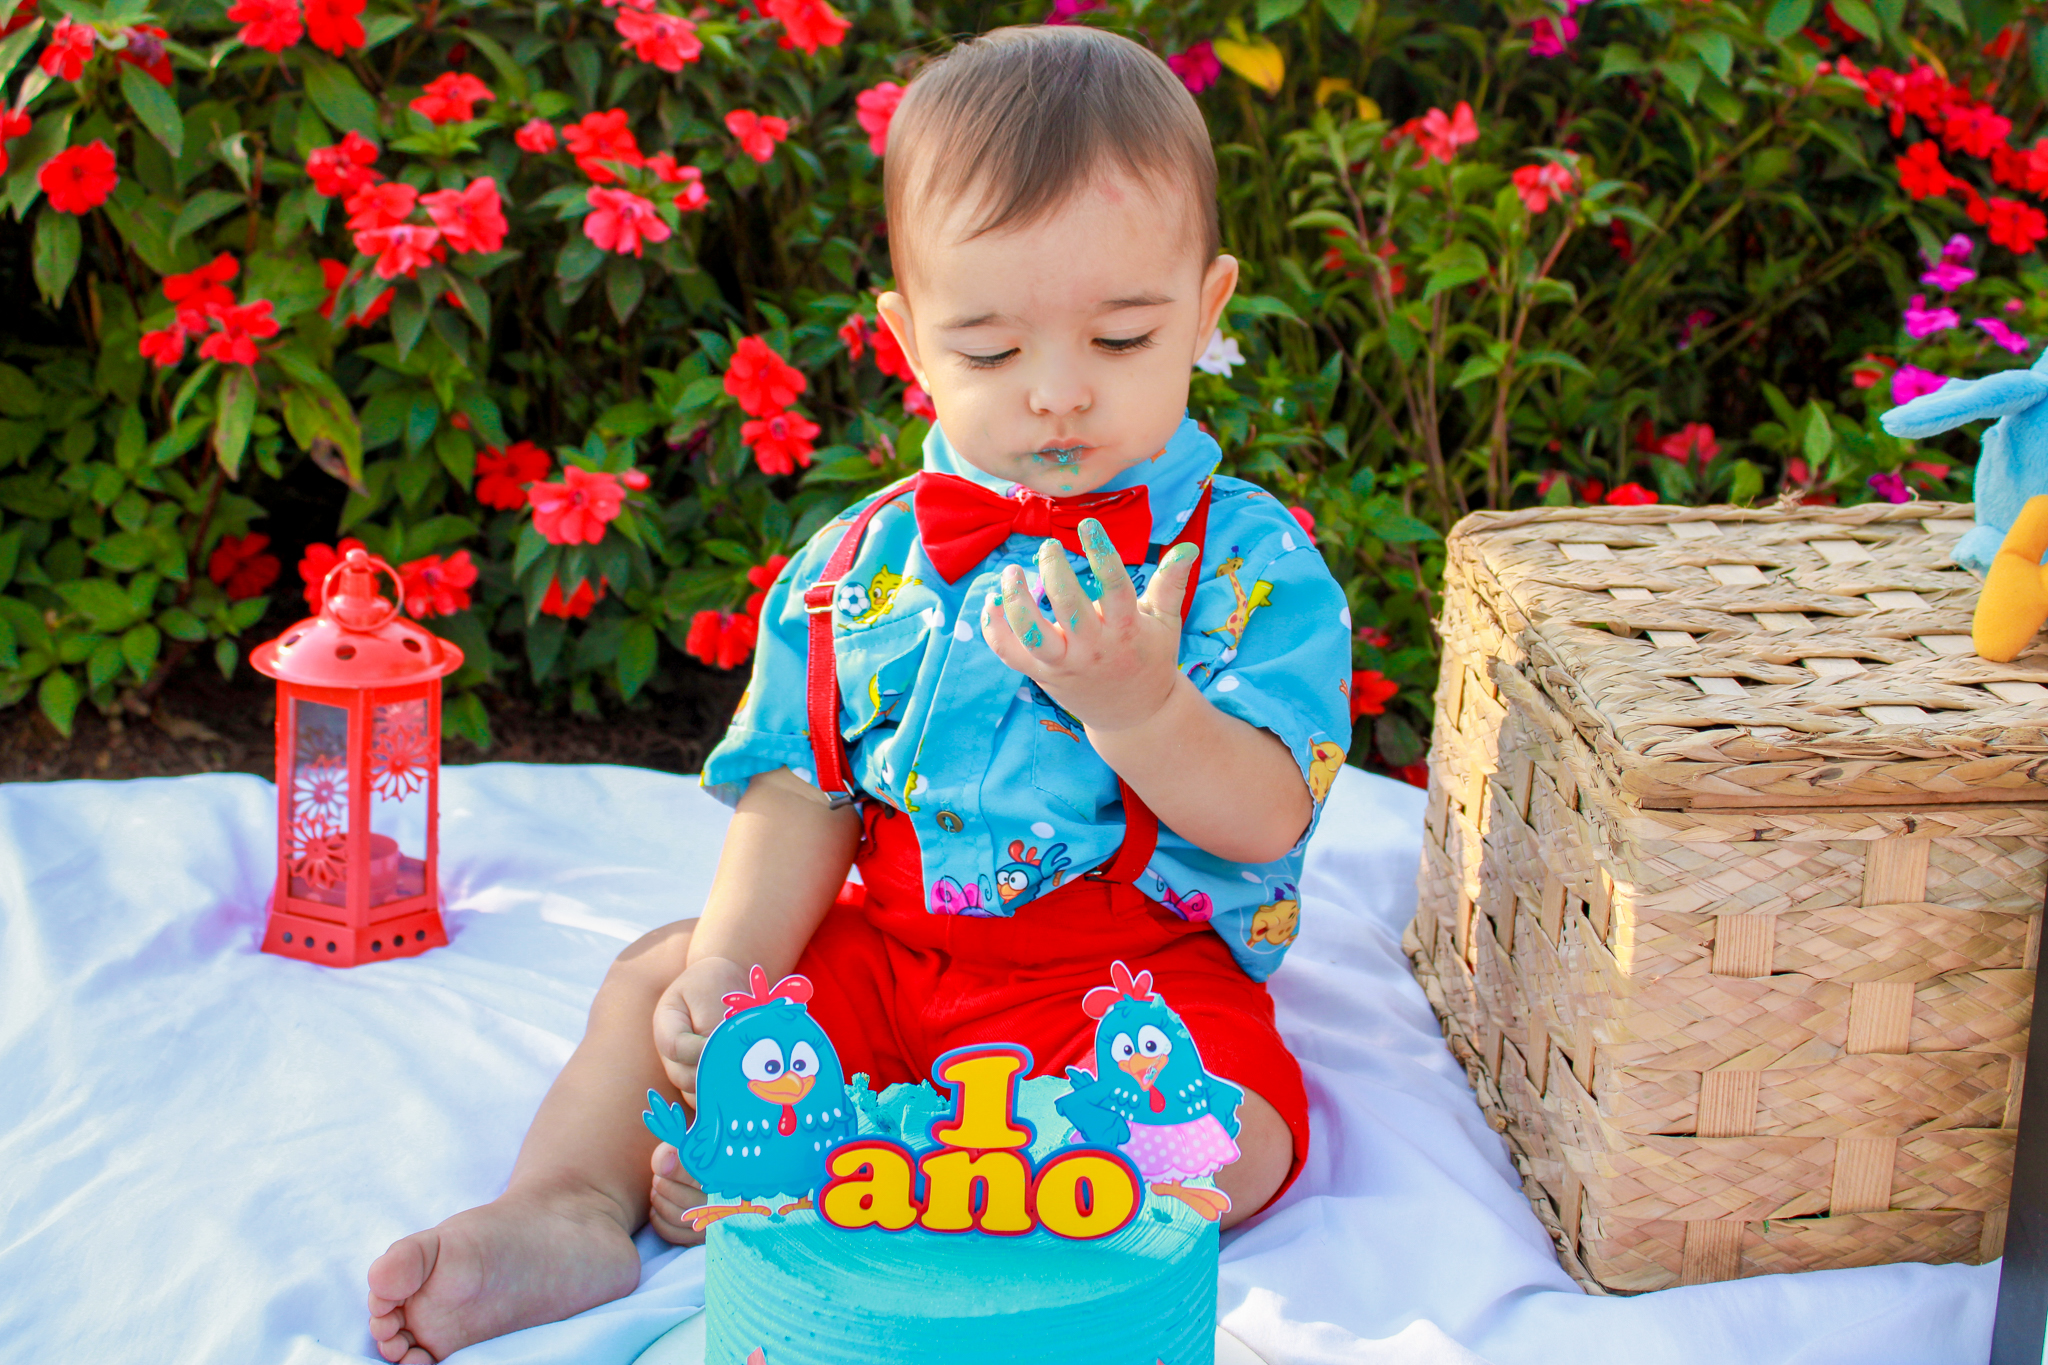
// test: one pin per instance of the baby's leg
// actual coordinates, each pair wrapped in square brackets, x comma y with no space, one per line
[1267,1151]
[560,1239]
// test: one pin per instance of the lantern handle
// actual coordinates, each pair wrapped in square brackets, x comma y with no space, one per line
[375,564]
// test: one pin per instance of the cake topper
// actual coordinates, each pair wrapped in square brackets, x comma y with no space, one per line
[771,1102]
[1149,1095]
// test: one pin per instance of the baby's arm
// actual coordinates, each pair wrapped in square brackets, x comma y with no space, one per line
[1226,786]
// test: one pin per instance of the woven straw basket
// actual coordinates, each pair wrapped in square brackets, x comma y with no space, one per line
[1732,886]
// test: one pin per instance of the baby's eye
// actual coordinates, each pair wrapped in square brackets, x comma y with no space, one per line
[1123,345]
[987,362]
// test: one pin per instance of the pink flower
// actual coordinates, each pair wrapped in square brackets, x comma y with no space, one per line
[1891,487]
[470,219]
[807,24]
[536,135]
[343,169]
[1694,320]
[1630,495]
[1197,67]
[620,221]
[693,196]
[1911,382]
[1538,185]
[1440,134]
[576,510]
[2004,335]
[918,403]
[71,47]
[668,41]
[240,329]
[451,98]
[874,108]
[757,133]
[1922,321]
[1063,11]
[381,206]
[1548,36]
[437,587]
[1694,439]
[1946,271]
[400,249]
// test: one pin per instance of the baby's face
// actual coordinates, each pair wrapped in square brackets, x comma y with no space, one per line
[1058,354]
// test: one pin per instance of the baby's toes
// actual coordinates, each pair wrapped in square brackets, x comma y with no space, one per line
[668,1201]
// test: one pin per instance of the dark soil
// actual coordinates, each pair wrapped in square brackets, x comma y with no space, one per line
[202,724]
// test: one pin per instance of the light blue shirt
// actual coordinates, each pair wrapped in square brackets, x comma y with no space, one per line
[1007,796]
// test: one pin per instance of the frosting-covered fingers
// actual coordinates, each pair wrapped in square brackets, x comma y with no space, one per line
[1020,610]
[1119,599]
[1071,609]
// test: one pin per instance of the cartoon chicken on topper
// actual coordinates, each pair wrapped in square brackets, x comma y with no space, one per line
[1149,1095]
[771,1103]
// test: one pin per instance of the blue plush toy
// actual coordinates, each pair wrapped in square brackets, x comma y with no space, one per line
[2013,463]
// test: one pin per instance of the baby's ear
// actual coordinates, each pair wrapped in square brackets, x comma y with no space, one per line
[894,309]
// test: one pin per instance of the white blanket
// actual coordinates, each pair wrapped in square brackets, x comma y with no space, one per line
[202,1147]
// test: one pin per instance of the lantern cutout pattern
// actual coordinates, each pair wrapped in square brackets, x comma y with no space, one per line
[358,775]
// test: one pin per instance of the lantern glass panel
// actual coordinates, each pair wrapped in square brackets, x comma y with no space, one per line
[319,811]
[401,756]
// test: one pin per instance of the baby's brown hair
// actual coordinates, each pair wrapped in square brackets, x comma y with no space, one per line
[1027,117]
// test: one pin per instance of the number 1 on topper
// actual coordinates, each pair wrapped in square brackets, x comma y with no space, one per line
[983,1080]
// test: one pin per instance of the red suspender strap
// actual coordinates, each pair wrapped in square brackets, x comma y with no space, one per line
[1141,826]
[828,748]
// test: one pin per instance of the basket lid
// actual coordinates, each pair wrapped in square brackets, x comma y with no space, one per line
[358,639]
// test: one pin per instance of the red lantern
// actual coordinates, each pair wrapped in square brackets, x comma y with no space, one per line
[358,775]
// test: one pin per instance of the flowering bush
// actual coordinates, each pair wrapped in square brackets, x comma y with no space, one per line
[567,310]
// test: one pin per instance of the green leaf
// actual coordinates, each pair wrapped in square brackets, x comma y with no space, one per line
[1787,17]
[1714,49]
[1475,369]
[636,658]
[1891,14]
[9,659]
[16,44]
[1953,12]
[339,97]
[225,657]
[1451,279]
[181,624]
[1819,438]
[1389,523]
[155,106]
[101,602]
[408,320]
[1858,16]
[2037,57]
[234,417]
[457,454]
[125,551]
[1273,12]
[55,253]
[1685,74]
[103,665]
[27,153]
[1397,741]
[1533,360]
[1343,13]
[58,696]
[464,716]
[624,284]
[1619,59]
[201,209]
[511,78]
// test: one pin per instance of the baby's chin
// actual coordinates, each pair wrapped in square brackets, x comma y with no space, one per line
[1079,473]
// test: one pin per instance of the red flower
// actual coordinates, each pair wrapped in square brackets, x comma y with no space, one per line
[874,108]
[693,196]
[434,587]
[335,25]
[1414,774]
[1538,185]
[334,274]
[71,47]
[720,638]
[79,179]
[502,475]
[2015,226]
[1618,237]
[1921,173]
[575,511]
[1630,495]
[1375,637]
[620,221]
[597,138]
[1870,370]
[1370,692]
[240,330]
[272,25]
[470,219]
[1307,520]
[780,441]
[808,24]
[763,576]
[239,565]
[889,357]
[402,249]
[1692,439]
[1974,129]
[1440,135]
[918,403]
[146,52]
[318,563]
[166,348]
[762,381]
[580,601]
[664,40]
[341,170]
[853,332]
[536,135]
[758,134]
[381,206]
[13,123]
[207,284]
[451,97]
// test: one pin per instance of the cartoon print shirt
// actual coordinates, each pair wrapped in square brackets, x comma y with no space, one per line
[1007,796]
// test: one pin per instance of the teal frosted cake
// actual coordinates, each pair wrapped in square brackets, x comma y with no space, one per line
[1004,1222]
[803,1292]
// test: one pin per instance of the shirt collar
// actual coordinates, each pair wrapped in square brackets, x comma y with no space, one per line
[1172,478]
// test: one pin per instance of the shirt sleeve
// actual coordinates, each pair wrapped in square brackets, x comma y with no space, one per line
[1273,646]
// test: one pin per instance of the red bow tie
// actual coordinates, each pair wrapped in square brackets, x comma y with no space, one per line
[962,523]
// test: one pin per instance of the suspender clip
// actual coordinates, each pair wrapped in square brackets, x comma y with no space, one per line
[818,597]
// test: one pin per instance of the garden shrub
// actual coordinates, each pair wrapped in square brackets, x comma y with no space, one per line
[570,305]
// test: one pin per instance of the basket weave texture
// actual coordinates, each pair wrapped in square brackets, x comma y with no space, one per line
[1732,883]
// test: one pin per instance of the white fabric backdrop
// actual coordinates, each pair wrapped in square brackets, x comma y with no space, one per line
[202,1147]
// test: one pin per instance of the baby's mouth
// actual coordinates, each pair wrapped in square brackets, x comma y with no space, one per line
[1059,455]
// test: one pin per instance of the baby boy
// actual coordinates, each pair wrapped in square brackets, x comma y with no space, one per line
[1065,698]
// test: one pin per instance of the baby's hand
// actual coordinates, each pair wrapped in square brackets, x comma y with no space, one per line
[1113,662]
[687,1012]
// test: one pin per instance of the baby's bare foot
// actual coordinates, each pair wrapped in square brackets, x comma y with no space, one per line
[516,1262]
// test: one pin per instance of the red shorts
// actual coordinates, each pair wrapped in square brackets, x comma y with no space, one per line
[896,986]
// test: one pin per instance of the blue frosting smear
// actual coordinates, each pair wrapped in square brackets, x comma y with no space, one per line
[806,1293]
